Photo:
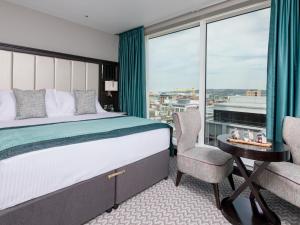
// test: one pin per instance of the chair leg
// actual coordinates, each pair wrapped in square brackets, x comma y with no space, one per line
[178,178]
[217,196]
[230,178]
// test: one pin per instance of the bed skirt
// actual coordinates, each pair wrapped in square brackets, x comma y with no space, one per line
[86,200]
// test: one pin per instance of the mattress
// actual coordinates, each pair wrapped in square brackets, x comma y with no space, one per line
[31,175]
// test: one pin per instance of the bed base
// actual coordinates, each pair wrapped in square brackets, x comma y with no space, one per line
[86,200]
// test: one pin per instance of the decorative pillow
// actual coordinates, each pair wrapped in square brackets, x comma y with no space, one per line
[30,104]
[85,102]
[62,103]
[7,105]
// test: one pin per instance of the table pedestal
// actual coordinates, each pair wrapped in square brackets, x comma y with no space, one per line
[252,210]
[245,211]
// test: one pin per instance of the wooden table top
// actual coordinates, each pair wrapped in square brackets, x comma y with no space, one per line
[278,152]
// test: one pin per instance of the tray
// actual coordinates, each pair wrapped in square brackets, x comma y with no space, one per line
[239,141]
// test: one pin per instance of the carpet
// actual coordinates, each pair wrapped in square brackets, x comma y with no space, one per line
[191,203]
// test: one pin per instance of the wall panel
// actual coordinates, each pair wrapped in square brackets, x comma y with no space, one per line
[23,71]
[78,75]
[5,69]
[32,69]
[63,75]
[44,68]
[93,77]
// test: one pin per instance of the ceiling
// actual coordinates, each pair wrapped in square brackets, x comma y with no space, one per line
[115,16]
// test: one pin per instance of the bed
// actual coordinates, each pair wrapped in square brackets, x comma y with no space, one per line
[75,182]
[67,169]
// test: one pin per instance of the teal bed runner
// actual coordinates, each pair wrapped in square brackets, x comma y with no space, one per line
[18,140]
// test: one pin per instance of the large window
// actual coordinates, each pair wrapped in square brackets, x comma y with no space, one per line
[219,67]
[173,73]
[236,74]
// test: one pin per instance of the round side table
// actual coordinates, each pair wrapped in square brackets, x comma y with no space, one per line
[253,210]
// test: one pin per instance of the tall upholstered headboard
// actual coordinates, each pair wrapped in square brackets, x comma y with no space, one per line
[28,68]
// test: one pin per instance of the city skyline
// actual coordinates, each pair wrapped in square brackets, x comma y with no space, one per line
[245,64]
[208,89]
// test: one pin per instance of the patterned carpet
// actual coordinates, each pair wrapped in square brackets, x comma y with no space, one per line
[192,202]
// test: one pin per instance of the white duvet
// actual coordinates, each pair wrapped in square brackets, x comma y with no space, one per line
[28,176]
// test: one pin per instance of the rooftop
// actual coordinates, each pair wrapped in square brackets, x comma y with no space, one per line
[248,104]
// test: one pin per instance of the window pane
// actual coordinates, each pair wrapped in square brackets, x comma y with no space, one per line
[173,73]
[236,74]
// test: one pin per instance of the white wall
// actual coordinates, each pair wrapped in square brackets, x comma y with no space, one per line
[26,27]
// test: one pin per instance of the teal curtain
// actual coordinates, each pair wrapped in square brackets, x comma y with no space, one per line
[132,86]
[283,88]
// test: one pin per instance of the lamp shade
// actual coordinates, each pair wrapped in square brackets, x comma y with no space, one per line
[111,85]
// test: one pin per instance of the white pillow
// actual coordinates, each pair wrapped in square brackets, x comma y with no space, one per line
[65,103]
[99,107]
[62,103]
[7,105]
[50,101]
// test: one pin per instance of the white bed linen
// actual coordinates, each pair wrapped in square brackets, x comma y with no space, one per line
[36,121]
[27,176]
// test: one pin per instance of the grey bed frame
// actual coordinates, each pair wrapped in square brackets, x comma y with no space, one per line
[83,201]
[86,200]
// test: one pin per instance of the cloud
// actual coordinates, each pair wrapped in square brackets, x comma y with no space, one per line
[236,55]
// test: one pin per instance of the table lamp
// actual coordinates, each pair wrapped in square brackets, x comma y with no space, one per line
[110,86]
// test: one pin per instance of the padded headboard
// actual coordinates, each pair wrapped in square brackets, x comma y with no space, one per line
[27,68]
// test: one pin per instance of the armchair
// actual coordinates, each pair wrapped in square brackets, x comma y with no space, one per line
[283,178]
[207,164]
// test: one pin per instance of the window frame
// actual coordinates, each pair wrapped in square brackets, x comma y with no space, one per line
[203,54]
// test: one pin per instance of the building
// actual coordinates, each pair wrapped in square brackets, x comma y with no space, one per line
[253,93]
[241,112]
[162,105]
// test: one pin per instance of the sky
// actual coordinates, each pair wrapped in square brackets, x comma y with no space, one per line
[236,55]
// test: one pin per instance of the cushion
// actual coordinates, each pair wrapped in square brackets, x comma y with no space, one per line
[85,102]
[291,134]
[51,105]
[65,103]
[282,179]
[205,163]
[30,104]
[99,107]
[62,103]
[7,105]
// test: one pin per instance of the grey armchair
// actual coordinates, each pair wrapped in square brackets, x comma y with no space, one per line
[283,178]
[207,164]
